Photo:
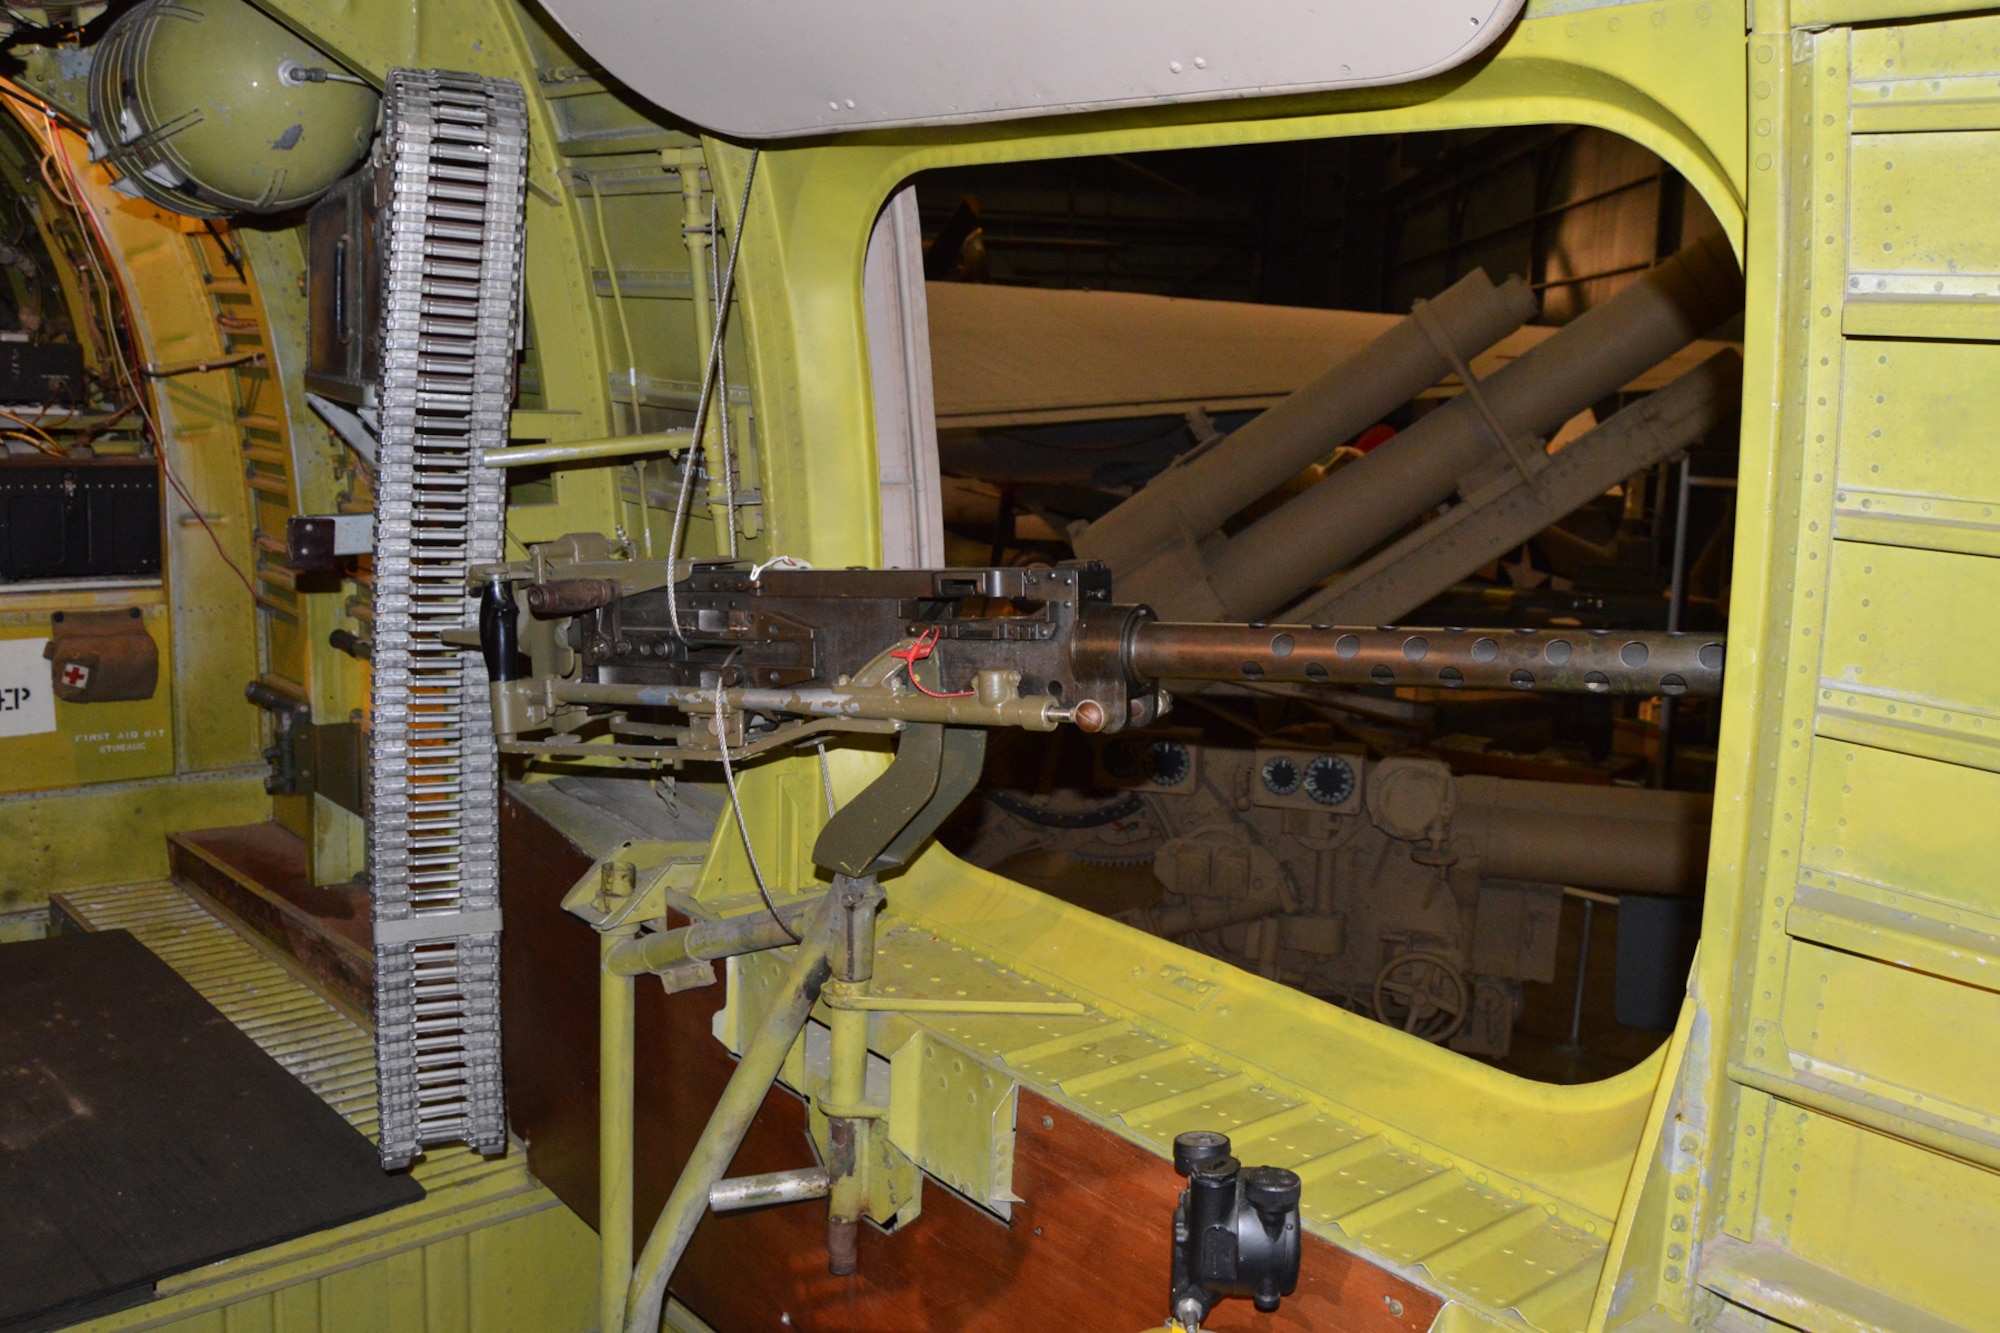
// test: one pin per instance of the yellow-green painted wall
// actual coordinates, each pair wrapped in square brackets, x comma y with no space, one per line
[1821,1127]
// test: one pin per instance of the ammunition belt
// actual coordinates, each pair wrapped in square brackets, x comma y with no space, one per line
[453,159]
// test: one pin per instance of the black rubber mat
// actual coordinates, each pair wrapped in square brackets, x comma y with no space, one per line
[142,1134]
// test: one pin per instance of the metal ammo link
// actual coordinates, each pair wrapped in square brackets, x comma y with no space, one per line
[454,147]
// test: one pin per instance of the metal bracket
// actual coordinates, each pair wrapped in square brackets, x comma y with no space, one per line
[894,1183]
[936,768]
[691,975]
[318,543]
[356,430]
[290,718]
[953,1115]
[631,884]
[308,757]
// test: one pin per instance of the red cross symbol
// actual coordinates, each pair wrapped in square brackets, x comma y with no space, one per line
[75,675]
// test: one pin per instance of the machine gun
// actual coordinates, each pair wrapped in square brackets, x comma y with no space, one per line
[649,663]
[757,659]
[752,659]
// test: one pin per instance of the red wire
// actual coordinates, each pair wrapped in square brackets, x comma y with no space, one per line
[925,644]
[195,509]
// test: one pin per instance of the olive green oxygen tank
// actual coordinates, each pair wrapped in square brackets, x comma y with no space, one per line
[210,107]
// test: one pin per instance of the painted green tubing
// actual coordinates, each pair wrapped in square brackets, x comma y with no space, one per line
[751,932]
[847,1086]
[730,1121]
[615,1058]
[583,451]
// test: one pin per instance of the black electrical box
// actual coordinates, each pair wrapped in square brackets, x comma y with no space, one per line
[79,518]
[48,374]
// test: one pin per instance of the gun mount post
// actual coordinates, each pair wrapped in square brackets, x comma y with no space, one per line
[935,769]
[853,968]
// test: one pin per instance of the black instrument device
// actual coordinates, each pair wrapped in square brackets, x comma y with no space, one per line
[1236,1230]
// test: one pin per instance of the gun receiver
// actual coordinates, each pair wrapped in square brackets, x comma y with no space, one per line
[759,658]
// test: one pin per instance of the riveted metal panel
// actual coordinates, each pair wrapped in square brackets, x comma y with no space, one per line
[1908,212]
[1854,999]
[1941,396]
[1913,824]
[1893,629]
[1847,1198]
[1851,1021]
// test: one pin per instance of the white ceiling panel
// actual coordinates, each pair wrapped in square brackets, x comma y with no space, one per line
[764,69]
